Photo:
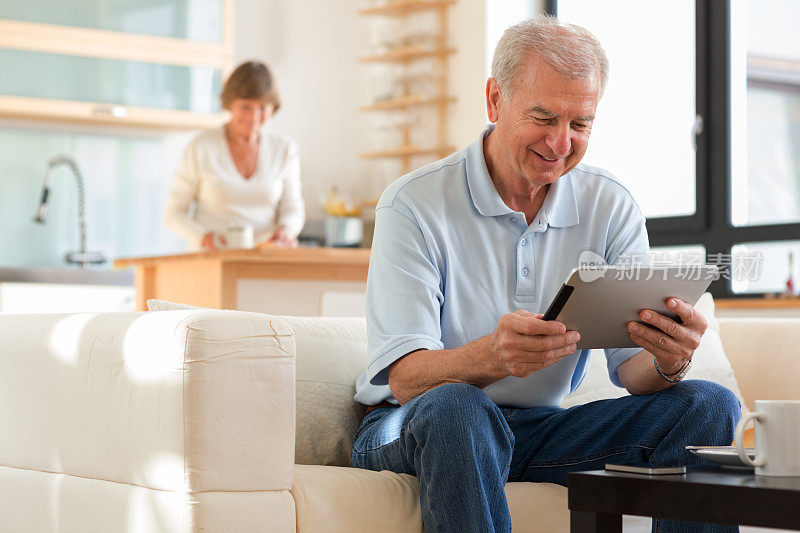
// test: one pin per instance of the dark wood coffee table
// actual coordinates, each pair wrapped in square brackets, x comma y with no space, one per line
[598,499]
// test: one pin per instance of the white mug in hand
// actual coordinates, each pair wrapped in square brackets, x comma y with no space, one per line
[777,437]
[240,236]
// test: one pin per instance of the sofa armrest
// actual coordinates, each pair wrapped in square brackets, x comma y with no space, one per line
[179,400]
[765,355]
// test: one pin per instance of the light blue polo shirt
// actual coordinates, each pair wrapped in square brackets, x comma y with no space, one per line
[449,258]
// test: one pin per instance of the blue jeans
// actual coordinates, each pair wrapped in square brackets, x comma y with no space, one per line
[464,448]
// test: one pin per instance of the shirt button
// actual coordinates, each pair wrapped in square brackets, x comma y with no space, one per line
[511,218]
[523,241]
[524,271]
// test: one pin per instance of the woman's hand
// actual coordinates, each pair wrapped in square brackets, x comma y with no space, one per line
[209,241]
[281,239]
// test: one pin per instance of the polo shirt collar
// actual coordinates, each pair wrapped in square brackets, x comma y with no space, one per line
[485,197]
[560,208]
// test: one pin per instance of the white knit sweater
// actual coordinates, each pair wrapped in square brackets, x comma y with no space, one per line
[209,194]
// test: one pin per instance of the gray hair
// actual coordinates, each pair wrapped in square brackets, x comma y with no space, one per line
[570,50]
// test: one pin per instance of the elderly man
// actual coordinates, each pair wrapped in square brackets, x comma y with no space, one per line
[465,379]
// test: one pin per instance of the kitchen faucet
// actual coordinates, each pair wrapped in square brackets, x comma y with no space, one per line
[81,257]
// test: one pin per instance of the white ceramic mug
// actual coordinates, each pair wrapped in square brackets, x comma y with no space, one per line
[239,237]
[777,437]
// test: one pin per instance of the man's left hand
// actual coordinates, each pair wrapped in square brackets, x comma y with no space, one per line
[671,343]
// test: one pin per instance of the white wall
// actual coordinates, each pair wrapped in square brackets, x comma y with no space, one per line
[313,47]
[467,71]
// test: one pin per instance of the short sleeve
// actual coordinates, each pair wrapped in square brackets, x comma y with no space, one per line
[404,293]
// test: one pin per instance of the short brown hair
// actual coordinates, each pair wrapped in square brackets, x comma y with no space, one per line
[251,80]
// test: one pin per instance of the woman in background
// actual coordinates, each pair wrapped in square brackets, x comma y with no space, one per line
[238,175]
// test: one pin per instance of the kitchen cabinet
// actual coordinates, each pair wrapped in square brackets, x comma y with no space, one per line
[156,64]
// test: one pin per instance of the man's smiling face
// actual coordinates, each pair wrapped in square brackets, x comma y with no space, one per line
[544,127]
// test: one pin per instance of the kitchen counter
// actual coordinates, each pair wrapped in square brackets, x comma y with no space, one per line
[64,275]
[210,279]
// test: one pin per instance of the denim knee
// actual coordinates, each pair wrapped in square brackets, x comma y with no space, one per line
[454,399]
[710,395]
[459,407]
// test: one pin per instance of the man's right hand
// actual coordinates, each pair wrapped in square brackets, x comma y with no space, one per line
[524,343]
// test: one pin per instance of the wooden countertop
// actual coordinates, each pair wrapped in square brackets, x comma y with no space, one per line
[757,303]
[308,256]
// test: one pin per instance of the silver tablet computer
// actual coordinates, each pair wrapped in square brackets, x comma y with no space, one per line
[599,301]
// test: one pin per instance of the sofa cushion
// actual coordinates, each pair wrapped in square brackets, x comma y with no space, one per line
[766,354]
[331,353]
[709,363]
[335,499]
[166,305]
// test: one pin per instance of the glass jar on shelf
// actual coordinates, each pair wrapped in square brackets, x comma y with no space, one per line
[386,82]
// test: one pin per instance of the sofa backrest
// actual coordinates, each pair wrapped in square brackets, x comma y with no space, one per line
[330,354]
[765,352]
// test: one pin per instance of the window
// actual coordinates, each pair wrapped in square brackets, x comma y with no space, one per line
[765,267]
[649,146]
[767,190]
[745,58]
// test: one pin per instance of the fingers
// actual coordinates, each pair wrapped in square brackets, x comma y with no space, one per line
[543,343]
[522,367]
[689,315]
[534,346]
[658,338]
[667,325]
[657,351]
[523,312]
[525,343]
[285,243]
[529,325]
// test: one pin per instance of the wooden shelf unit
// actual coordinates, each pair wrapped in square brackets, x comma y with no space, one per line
[406,54]
[440,53]
[406,102]
[405,7]
[409,150]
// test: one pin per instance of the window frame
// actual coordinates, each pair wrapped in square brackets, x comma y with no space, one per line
[711,224]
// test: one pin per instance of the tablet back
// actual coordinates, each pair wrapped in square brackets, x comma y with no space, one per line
[598,302]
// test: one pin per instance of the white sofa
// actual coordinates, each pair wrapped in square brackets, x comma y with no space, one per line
[187,421]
